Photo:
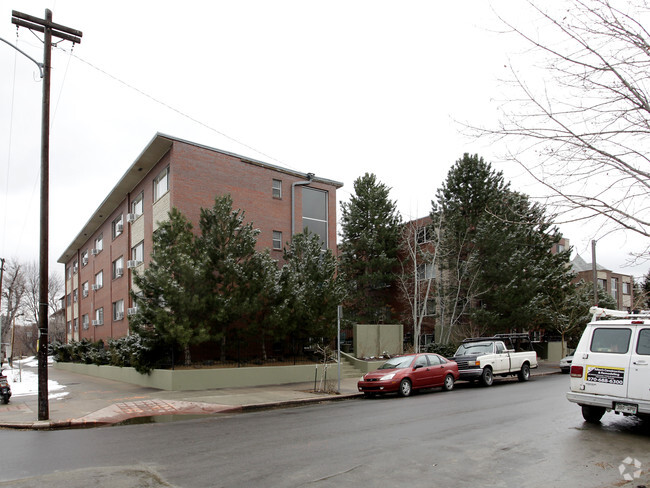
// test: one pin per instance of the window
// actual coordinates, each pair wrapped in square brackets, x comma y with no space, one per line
[560,248]
[68,272]
[75,266]
[420,361]
[99,316]
[117,226]
[161,184]
[70,327]
[643,346]
[431,307]
[75,324]
[423,235]
[433,360]
[118,310]
[84,289]
[84,321]
[137,205]
[314,213]
[602,283]
[99,280]
[75,295]
[68,299]
[84,258]
[118,267]
[426,271]
[614,289]
[277,188]
[277,240]
[137,252]
[626,288]
[615,341]
[99,242]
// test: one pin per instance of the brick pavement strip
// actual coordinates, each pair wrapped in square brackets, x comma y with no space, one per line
[146,408]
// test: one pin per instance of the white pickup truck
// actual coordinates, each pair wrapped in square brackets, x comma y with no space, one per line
[482,358]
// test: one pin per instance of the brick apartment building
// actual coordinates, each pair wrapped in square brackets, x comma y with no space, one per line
[620,286]
[170,172]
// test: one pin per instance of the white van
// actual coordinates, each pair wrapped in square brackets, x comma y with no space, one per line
[611,365]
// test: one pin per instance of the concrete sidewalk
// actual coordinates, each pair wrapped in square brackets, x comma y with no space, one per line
[92,402]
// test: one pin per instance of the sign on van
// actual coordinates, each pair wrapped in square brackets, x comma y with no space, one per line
[610,376]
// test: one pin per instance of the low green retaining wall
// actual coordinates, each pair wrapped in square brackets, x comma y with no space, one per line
[204,379]
[363,366]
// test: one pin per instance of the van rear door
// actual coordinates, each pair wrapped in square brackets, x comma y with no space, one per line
[639,382]
[606,368]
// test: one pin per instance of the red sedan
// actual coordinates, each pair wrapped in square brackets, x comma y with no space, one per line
[403,374]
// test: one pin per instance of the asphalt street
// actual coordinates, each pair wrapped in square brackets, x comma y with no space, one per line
[512,434]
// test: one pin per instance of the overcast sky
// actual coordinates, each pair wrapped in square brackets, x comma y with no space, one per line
[336,88]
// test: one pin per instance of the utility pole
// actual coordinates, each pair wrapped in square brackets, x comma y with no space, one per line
[594,272]
[49,29]
[2,271]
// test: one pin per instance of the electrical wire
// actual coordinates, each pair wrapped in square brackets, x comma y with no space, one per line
[11,125]
[181,113]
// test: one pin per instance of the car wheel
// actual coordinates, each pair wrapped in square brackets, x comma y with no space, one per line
[592,414]
[448,385]
[487,378]
[524,374]
[405,388]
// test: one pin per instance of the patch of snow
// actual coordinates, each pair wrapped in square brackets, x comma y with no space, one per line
[23,379]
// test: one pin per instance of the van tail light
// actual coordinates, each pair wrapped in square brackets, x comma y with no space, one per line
[576,371]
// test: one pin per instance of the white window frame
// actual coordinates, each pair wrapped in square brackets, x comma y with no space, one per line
[277,240]
[99,279]
[277,189]
[137,252]
[158,191]
[99,316]
[137,205]
[118,310]
[99,242]
[117,226]
[118,264]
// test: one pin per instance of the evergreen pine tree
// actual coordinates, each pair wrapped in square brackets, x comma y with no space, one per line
[497,272]
[370,230]
[311,291]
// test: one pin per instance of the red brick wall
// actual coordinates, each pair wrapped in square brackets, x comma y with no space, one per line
[197,175]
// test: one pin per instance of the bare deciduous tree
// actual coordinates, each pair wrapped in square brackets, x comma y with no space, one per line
[581,125]
[416,280]
[13,294]
[54,291]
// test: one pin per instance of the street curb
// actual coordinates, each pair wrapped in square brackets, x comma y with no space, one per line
[294,403]
[252,407]
[88,424]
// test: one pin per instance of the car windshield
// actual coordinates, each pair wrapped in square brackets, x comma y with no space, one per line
[474,348]
[397,363]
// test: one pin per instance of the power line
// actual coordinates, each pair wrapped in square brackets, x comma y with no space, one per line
[180,112]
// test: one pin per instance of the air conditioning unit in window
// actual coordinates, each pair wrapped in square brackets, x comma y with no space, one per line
[98,322]
[130,218]
[119,315]
[84,261]
[94,252]
[132,310]
[119,228]
[95,287]
[119,272]
[133,263]
[84,293]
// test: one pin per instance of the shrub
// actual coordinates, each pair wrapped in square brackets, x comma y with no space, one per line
[445,350]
